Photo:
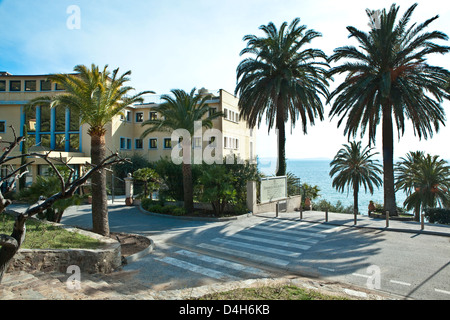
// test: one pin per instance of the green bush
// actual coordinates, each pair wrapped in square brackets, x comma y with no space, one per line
[438,215]
[179,211]
[323,205]
[156,208]
[147,202]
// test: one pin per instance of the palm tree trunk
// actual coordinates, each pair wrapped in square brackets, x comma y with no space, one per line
[188,188]
[388,162]
[355,204]
[281,140]
[100,222]
[417,213]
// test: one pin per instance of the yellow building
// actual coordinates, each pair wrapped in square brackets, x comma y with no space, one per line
[58,130]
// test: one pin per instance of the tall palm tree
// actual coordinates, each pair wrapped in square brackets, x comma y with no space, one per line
[181,111]
[389,80]
[354,167]
[97,96]
[426,180]
[282,80]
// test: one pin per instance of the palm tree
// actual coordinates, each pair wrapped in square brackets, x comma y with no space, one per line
[388,80]
[97,96]
[181,112]
[282,81]
[426,180]
[405,174]
[354,167]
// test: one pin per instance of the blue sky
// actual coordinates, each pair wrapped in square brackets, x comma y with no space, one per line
[196,43]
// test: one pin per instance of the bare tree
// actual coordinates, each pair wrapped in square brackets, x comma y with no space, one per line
[10,244]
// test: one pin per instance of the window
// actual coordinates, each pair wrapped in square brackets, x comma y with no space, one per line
[2,85]
[153,143]
[30,119]
[46,85]
[225,113]
[128,115]
[2,126]
[14,85]
[74,120]
[45,119]
[125,143]
[57,136]
[138,144]
[74,142]
[59,87]
[60,142]
[60,118]
[167,143]
[45,141]
[153,115]
[139,117]
[212,111]
[30,85]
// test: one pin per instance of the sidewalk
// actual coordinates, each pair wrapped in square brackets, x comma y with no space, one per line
[347,220]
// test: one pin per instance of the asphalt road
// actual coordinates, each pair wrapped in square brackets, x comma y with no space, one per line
[191,253]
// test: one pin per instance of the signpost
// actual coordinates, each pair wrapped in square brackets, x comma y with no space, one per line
[273,189]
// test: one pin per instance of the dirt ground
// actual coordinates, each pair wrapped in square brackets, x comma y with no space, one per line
[130,243]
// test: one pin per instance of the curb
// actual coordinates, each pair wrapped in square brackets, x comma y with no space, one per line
[134,257]
[243,216]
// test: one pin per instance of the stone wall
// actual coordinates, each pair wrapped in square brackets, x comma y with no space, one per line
[103,260]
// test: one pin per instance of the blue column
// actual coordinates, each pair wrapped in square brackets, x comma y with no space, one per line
[38,126]
[52,128]
[67,127]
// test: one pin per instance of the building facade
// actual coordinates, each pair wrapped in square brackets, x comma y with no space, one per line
[59,131]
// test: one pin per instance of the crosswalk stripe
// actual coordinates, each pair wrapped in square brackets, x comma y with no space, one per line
[245,255]
[270,241]
[305,226]
[257,247]
[290,232]
[280,236]
[223,263]
[197,269]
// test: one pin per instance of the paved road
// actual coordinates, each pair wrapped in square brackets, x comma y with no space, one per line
[191,253]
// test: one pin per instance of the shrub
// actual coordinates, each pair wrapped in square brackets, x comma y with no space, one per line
[146,203]
[323,205]
[155,208]
[438,215]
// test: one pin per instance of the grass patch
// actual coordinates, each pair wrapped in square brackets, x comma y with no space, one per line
[46,236]
[284,292]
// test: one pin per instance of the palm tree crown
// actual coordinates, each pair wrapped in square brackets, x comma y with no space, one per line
[354,167]
[282,80]
[426,180]
[181,111]
[388,79]
[97,96]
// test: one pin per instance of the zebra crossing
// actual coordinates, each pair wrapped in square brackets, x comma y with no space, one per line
[248,252]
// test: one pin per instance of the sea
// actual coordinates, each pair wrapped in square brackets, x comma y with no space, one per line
[316,172]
